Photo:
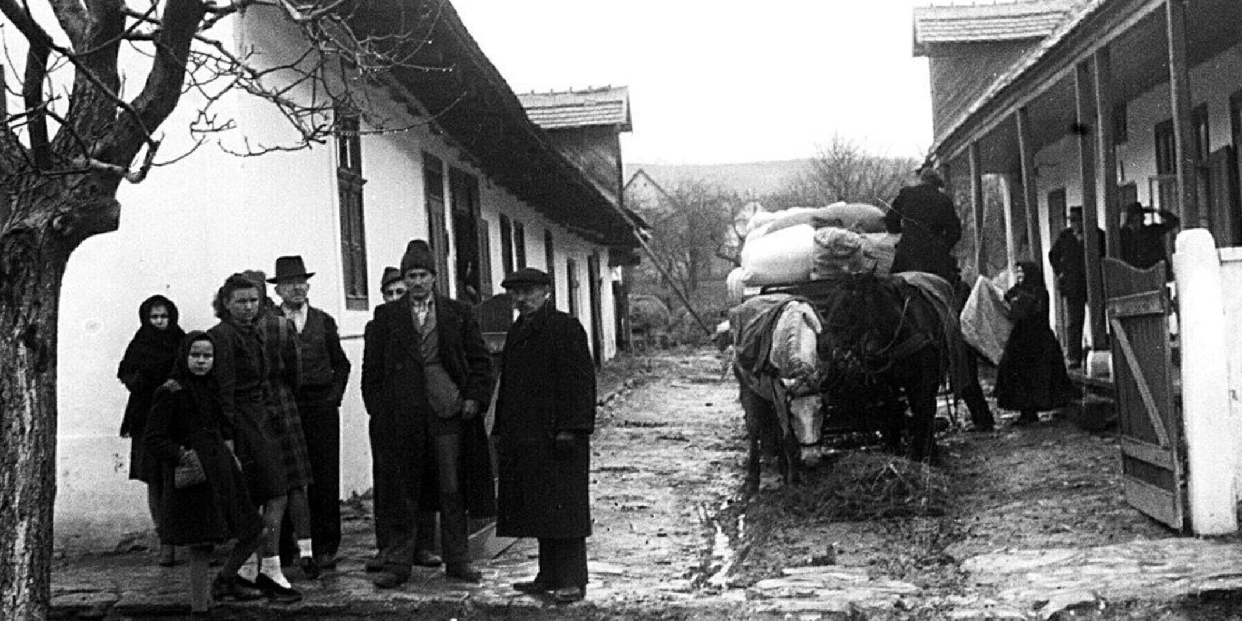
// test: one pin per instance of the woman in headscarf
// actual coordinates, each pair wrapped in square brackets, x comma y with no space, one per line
[147,362]
[1031,377]
[187,423]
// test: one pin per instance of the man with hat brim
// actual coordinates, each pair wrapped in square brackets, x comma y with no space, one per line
[325,372]
[1142,244]
[929,227]
[1068,259]
[426,378]
[545,414]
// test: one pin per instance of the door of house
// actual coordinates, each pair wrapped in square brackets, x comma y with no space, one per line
[464,197]
[597,308]
[1152,460]
[1057,222]
[1224,196]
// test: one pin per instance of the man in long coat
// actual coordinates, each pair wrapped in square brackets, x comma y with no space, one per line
[426,377]
[545,414]
[325,372]
[1068,259]
[929,227]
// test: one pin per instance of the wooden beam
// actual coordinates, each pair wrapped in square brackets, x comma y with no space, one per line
[1183,132]
[1086,130]
[1102,65]
[1030,189]
[976,204]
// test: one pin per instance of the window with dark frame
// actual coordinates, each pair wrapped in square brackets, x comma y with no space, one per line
[519,244]
[506,244]
[549,258]
[437,227]
[1166,166]
[1121,126]
[353,231]
[1199,123]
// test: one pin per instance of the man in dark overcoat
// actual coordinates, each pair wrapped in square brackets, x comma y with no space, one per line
[325,372]
[545,414]
[929,227]
[1068,258]
[426,378]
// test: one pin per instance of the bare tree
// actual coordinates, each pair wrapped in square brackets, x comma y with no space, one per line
[80,131]
[693,224]
[844,170]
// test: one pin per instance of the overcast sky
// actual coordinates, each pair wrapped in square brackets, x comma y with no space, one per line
[719,81]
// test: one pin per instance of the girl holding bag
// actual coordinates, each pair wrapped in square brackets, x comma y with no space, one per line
[204,500]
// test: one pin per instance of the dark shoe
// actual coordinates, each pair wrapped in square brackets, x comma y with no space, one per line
[375,563]
[310,567]
[533,587]
[568,595]
[1025,420]
[388,579]
[275,592]
[235,589]
[983,428]
[168,556]
[427,558]
[463,573]
[327,562]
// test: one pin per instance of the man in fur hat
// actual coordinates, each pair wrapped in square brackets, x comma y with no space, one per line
[426,378]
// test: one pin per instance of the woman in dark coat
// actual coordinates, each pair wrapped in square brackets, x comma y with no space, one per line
[545,413]
[186,417]
[1031,377]
[148,360]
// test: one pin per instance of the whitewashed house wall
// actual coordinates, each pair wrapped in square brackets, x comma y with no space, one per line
[191,225]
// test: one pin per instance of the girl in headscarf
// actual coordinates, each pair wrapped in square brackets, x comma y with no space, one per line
[1031,377]
[186,417]
[148,360]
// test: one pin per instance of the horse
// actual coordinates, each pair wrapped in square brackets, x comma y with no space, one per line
[892,337]
[775,342]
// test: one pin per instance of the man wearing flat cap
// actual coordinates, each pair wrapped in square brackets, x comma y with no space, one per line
[325,371]
[545,414]
[426,377]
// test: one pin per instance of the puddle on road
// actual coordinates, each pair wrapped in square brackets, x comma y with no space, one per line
[726,528]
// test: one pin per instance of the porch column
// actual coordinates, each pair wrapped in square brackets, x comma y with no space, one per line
[1103,67]
[1085,99]
[1030,191]
[1011,239]
[1183,133]
[976,204]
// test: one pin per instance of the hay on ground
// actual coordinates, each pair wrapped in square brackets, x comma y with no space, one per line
[862,486]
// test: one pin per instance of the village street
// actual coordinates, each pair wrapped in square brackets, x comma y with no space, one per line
[1024,523]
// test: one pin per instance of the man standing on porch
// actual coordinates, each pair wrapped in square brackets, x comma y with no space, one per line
[426,378]
[1068,258]
[325,371]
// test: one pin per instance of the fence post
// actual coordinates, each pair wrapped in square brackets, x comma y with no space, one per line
[1205,385]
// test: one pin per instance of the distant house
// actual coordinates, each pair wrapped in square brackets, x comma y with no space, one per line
[465,168]
[1096,103]
[586,126]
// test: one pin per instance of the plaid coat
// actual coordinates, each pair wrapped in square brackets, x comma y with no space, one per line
[282,358]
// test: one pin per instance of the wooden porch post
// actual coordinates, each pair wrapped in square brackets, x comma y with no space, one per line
[976,204]
[1030,191]
[1183,133]
[1085,99]
[1103,67]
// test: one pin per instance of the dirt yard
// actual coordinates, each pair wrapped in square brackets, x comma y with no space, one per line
[1046,486]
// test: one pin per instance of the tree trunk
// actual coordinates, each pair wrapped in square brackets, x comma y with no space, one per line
[48,219]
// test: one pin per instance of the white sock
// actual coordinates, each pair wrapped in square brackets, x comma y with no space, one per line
[271,569]
[304,548]
[250,569]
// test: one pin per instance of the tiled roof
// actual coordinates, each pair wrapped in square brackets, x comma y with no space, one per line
[1080,11]
[600,106]
[1012,21]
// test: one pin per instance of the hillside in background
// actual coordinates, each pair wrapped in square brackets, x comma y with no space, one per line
[748,179]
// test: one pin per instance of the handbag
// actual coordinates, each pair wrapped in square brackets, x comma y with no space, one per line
[189,472]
